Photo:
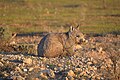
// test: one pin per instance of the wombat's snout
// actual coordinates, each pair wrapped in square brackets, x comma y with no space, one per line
[82,41]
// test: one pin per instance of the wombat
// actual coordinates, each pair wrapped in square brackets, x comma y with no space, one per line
[60,44]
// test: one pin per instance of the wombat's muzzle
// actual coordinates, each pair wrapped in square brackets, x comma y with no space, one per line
[82,41]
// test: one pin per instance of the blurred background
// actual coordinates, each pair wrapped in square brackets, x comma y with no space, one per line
[28,16]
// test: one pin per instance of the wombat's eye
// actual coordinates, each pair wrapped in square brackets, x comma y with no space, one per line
[78,36]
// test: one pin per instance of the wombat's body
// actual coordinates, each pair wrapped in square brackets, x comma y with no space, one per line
[59,44]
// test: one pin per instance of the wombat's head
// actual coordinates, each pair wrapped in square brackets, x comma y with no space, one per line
[75,34]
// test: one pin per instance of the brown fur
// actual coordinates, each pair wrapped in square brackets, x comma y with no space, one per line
[59,44]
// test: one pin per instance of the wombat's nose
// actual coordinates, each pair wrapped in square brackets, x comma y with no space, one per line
[82,40]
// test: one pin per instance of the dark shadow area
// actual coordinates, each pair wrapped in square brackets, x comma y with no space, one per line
[13,1]
[16,61]
[17,53]
[94,34]
[5,79]
[113,15]
[115,32]
[105,8]
[72,6]
[103,34]
[33,34]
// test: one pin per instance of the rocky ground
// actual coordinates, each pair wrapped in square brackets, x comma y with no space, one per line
[99,59]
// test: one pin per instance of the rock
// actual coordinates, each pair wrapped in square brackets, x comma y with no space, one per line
[51,74]
[119,50]
[103,67]
[31,69]
[89,63]
[35,79]
[48,72]
[83,79]
[12,43]
[98,78]
[70,78]
[55,69]
[100,50]
[66,78]
[25,70]
[18,78]
[1,64]
[28,61]
[86,41]
[71,73]
[59,65]
[44,59]
[78,70]
[82,73]
[43,76]
[5,74]
[18,69]
[95,62]
[94,68]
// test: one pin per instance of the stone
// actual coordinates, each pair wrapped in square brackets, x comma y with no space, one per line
[66,78]
[51,74]
[103,67]
[98,78]
[30,69]
[82,73]
[18,78]
[71,73]
[94,68]
[43,76]
[27,61]
[89,63]
[1,64]
[18,69]
[78,70]
[100,50]
[5,74]
[25,70]
[70,78]
[35,79]
[59,65]
[95,62]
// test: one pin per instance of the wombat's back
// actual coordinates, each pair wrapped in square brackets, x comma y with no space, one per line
[56,44]
[51,45]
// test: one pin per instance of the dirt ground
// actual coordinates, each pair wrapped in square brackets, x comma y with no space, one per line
[99,59]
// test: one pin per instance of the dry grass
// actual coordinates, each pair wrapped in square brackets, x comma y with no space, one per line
[36,16]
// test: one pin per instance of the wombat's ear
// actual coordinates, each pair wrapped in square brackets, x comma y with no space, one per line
[71,28]
[77,26]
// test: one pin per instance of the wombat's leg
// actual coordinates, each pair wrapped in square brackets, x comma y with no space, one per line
[70,51]
[64,53]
